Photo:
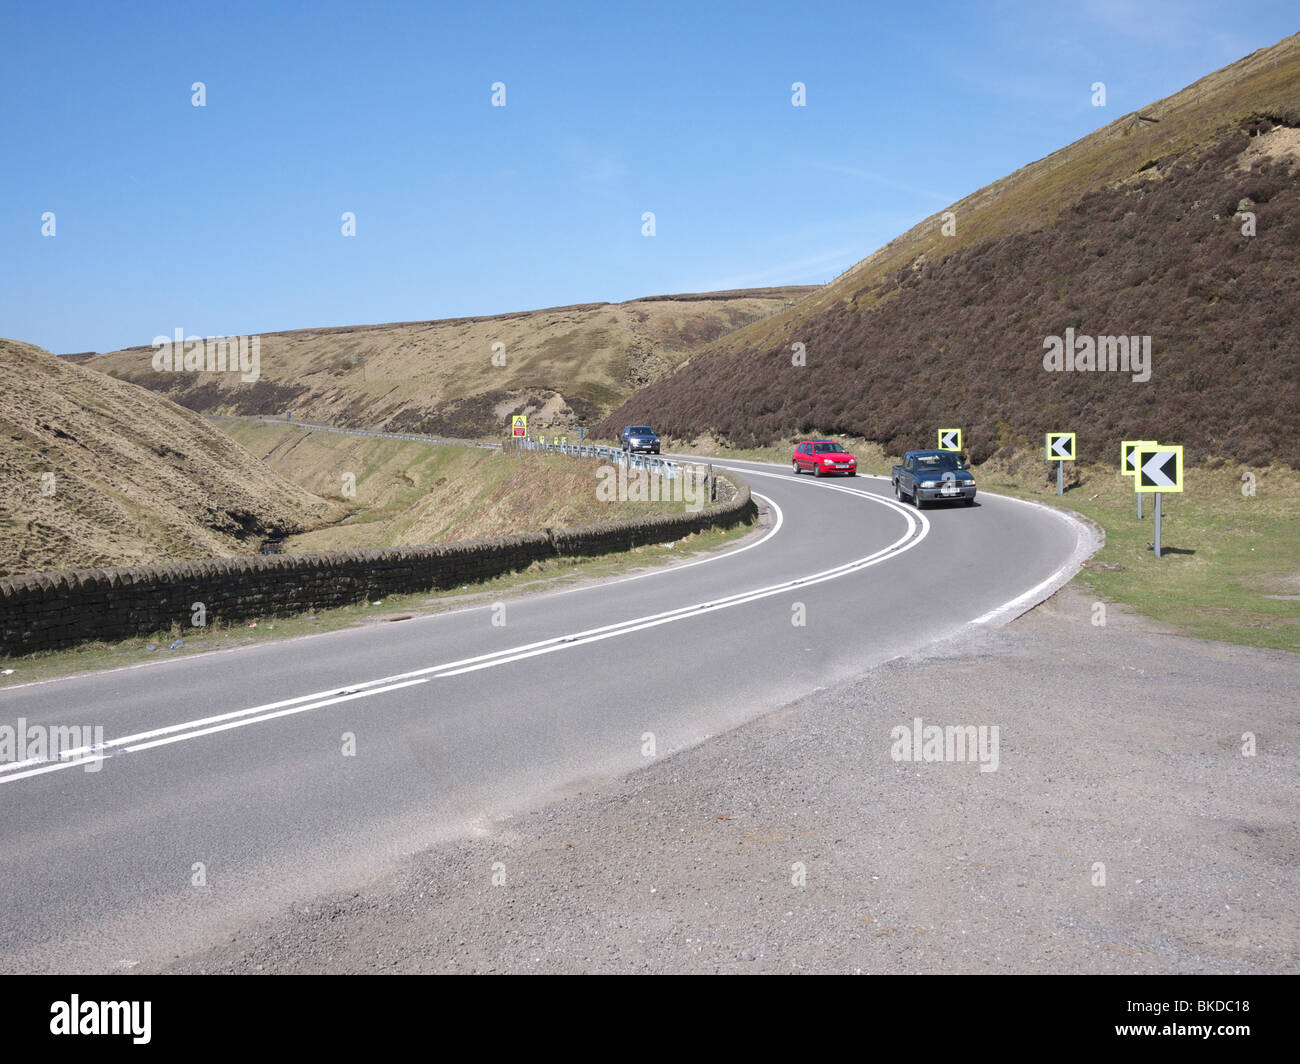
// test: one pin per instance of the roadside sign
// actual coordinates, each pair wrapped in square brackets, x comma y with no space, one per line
[1128,462]
[950,439]
[1060,446]
[519,425]
[1159,468]
[1128,455]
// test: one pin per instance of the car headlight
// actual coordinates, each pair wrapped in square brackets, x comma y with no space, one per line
[929,483]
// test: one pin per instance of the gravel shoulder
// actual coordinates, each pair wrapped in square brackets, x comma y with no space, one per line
[1119,745]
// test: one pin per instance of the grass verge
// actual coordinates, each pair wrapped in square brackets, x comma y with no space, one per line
[1230,565]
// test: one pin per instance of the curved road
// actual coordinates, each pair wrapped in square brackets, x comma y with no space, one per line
[227,794]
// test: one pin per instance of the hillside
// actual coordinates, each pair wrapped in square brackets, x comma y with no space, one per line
[95,471]
[405,493]
[562,364]
[1129,231]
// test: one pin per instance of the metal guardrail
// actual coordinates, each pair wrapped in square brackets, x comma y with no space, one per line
[668,468]
[664,467]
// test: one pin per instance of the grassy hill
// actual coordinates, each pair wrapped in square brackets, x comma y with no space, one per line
[403,492]
[1129,231]
[560,364]
[95,471]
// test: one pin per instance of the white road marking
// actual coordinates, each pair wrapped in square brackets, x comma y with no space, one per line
[1086,544]
[716,556]
[238,719]
[917,529]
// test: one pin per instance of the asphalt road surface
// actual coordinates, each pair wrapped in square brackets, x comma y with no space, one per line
[241,781]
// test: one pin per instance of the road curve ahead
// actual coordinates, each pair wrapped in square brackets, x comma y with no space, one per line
[242,781]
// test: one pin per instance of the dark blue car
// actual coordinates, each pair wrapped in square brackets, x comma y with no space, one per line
[640,438]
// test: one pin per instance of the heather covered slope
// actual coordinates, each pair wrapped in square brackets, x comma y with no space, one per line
[558,365]
[1130,231]
[95,471]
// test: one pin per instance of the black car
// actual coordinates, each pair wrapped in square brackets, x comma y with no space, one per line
[640,438]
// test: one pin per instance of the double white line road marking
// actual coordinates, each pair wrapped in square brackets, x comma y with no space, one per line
[917,529]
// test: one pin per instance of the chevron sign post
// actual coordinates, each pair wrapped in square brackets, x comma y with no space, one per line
[1060,449]
[1128,463]
[950,439]
[1159,468]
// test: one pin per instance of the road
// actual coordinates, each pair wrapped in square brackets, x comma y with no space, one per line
[232,789]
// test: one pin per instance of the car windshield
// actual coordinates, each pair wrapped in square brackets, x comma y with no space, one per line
[938,462]
[828,448]
[641,430]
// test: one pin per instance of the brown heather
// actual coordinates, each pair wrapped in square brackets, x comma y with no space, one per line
[1129,230]
[960,341]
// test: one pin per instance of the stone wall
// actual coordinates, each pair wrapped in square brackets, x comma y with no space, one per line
[46,611]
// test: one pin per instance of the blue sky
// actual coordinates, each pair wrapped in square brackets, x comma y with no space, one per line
[225,219]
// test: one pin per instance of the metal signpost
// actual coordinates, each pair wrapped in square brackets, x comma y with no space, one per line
[1060,449]
[1128,462]
[950,439]
[1159,469]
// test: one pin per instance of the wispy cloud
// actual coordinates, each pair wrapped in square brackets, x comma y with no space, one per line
[591,164]
[602,170]
[884,182]
[824,265]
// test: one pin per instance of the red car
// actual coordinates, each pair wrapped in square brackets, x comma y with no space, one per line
[824,457]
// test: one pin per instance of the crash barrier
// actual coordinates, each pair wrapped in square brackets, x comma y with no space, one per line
[664,467]
[46,611]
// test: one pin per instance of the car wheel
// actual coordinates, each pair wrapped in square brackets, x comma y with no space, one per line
[795,467]
[817,470]
[917,501]
[970,501]
[898,492]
